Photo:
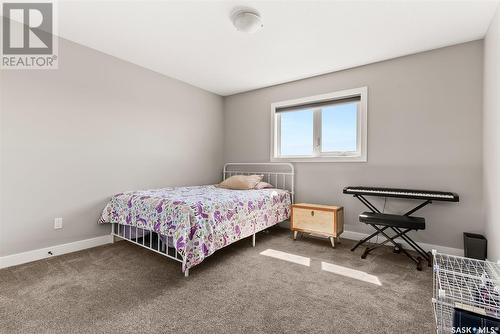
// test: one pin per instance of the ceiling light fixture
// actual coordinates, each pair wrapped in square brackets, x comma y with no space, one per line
[247,20]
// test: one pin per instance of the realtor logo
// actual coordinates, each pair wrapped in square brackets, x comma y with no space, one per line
[28,36]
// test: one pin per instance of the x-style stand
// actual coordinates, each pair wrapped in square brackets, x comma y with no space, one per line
[399,233]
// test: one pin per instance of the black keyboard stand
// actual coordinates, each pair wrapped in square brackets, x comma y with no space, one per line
[399,232]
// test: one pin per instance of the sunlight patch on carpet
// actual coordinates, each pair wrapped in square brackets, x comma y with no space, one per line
[305,261]
[351,273]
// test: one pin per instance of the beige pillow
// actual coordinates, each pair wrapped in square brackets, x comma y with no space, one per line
[241,182]
[263,185]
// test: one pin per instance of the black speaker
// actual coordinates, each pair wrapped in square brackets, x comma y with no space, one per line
[475,246]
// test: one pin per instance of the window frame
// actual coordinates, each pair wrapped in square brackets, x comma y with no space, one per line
[318,156]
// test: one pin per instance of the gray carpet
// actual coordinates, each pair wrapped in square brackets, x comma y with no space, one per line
[122,288]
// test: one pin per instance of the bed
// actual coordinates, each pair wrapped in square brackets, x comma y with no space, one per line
[188,224]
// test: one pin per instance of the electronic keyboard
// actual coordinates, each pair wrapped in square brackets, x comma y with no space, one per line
[428,195]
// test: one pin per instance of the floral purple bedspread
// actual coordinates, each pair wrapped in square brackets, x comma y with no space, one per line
[200,219]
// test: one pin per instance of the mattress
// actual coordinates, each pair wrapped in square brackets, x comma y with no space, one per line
[201,219]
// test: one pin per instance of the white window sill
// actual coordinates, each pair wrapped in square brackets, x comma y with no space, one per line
[321,159]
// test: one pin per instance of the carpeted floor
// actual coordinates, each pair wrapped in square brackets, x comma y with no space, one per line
[122,288]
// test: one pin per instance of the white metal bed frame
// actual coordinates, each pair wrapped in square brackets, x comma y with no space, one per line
[152,240]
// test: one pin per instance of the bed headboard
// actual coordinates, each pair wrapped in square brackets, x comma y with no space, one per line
[279,174]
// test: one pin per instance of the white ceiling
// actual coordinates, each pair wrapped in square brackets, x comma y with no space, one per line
[194,41]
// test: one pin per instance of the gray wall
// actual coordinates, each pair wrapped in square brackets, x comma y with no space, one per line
[424,131]
[72,137]
[492,136]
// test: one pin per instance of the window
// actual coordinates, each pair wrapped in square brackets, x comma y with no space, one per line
[329,127]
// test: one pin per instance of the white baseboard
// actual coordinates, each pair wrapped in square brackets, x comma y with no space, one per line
[428,247]
[351,235]
[43,253]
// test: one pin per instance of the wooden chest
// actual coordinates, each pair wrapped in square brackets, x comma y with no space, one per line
[325,220]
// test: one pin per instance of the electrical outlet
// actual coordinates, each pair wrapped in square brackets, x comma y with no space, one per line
[58,223]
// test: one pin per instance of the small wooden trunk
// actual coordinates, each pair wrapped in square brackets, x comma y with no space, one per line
[325,220]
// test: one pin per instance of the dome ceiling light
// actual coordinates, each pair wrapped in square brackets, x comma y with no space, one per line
[247,20]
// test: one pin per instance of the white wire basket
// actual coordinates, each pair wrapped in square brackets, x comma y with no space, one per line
[463,283]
